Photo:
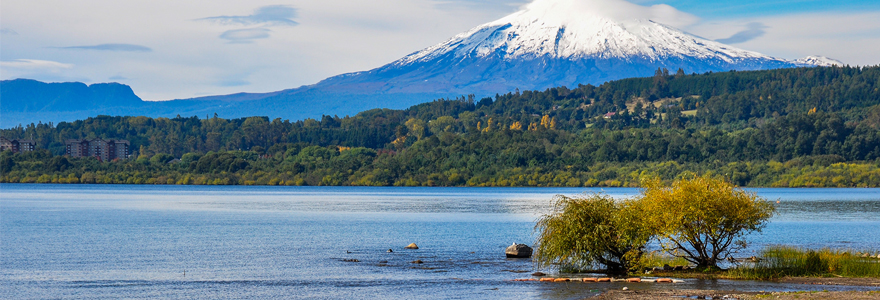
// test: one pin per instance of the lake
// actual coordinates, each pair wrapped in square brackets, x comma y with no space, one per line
[233,242]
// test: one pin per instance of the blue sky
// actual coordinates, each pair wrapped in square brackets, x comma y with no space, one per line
[171,49]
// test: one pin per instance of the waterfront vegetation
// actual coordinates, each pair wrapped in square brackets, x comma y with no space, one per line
[595,230]
[702,220]
[804,127]
[783,261]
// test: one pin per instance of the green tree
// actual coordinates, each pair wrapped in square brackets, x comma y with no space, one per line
[703,219]
[590,231]
[416,127]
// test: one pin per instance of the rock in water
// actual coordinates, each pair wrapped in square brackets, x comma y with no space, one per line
[518,251]
[412,246]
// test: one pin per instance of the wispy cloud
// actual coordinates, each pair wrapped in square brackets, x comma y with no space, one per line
[754,30]
[273,15]
[45,70]
[8,31]
[111,47]
[34,64]
[244,36]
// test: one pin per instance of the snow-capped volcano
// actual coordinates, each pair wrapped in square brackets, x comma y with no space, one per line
[579,29]
[555,43]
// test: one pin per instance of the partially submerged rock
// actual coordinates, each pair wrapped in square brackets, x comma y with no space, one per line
[412,246]
[518,251]
[538,274]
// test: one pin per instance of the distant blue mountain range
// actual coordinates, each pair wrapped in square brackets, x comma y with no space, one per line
[25,101]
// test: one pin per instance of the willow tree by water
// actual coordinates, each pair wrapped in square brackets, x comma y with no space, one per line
[592,231]
[703,219]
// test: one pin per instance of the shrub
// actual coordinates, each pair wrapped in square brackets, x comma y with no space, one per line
[590,231]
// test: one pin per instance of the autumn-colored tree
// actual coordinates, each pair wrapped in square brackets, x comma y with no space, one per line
[703,219]
[516,126]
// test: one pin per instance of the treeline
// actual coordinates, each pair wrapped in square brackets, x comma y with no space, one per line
[796,150]
[330,166]
[790,127]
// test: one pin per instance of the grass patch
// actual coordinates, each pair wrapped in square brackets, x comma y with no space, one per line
[782,261]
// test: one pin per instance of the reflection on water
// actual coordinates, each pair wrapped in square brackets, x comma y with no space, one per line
[262,242]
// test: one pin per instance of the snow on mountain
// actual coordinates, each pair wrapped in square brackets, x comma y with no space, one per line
[577,29]
[555,43]
[819,61]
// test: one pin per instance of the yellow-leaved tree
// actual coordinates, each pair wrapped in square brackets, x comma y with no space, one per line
[703,219]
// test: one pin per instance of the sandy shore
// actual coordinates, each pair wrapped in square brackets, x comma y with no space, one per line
[869,282]
[678,294]
[704,294]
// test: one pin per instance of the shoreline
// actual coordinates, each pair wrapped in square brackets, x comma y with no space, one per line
[871,290]
[716,294]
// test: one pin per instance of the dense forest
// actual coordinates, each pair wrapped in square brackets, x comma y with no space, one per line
[787,127]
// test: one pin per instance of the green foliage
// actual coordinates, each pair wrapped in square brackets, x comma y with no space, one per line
[703,219]
[594,230]
[794,127]
[782,261]
[161,158]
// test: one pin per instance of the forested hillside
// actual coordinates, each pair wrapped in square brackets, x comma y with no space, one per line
[788,127]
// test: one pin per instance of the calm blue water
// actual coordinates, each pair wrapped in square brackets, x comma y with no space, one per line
[97,241]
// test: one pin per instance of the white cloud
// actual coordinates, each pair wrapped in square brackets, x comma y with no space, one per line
[35,64]
[111,47]
[619,10]
[36,69]
[240,36]
[671,16]
[853,38]
[273,15]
